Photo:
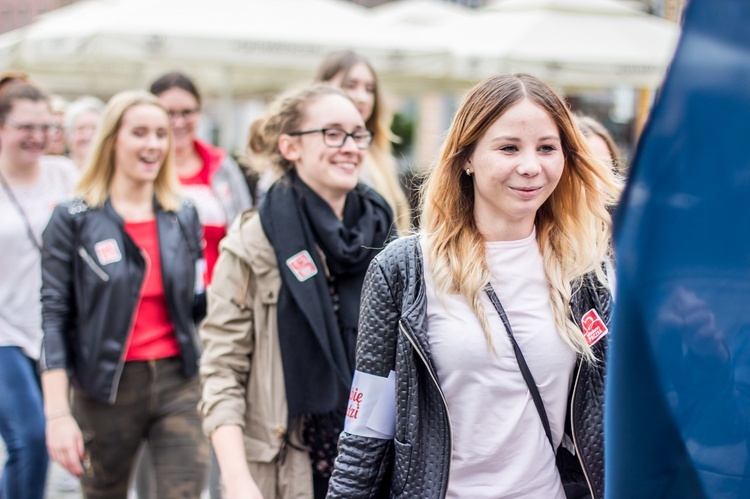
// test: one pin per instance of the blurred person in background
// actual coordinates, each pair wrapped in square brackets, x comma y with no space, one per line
[601,144]
[353,74]
[30,186]
[209,176]
[12,76]
[81,119]
[121,291]
[505,281]
[604,149]
[56,141]
[281,329]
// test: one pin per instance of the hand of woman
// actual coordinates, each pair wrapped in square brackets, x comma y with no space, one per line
[65,443]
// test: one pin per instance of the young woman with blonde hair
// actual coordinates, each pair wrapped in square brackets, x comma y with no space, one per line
[120,294]
[492,322]
[353,74]
[282,317]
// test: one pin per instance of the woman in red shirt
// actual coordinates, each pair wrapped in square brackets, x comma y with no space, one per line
[209,177]
[120,296]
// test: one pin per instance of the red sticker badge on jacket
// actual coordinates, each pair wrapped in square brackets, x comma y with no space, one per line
[302,266]
[593,327]
[107,251]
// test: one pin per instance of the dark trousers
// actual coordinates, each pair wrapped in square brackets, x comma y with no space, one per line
[154,403]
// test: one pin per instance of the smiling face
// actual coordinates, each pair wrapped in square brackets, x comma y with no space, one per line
[516,165]
[359,84]
[329,171]
[185,111]
[19,146]
[142,144]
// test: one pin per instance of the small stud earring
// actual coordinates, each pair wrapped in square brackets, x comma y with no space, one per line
[469,172]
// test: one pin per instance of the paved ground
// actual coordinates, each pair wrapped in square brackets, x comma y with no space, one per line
[59,485]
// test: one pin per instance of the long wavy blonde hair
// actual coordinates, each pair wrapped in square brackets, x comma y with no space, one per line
[572,225]
[99,168]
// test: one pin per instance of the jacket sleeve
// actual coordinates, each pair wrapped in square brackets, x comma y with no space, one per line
[58,299]
[193,230]
[241,199]
[227,339]
[363,463]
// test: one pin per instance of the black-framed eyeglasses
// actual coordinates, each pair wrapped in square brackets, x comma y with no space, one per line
[336,137]
[31,127]
[183,113]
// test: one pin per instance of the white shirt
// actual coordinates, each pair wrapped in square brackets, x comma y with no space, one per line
[500,449]
[20,260]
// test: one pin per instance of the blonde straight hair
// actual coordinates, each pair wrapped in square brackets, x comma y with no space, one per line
[572,226]
[99,168]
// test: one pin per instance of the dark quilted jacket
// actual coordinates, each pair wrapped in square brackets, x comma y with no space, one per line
[392,336]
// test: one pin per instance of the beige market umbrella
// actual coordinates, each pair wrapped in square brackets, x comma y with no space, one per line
[570,43]
[232,47]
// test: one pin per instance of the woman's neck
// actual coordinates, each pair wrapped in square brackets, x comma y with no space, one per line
[187,161]
[19,175]
[496,228]
[134,202]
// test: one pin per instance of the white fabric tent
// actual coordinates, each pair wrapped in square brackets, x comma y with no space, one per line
[233,47]
[570,43]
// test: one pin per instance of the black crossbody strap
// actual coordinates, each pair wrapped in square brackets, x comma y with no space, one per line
[18,207]
[523,366]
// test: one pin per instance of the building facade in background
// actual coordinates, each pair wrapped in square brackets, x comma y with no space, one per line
[17,13]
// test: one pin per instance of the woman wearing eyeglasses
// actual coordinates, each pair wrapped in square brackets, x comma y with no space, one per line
[30,185]
[209,177]
[281,329]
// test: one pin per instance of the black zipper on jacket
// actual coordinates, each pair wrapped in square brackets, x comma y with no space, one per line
[129,332]
[416,347]
[92,264]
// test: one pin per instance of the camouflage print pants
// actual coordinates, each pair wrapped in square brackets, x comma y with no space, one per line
[154,403]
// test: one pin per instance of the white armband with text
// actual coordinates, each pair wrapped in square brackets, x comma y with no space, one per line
[372,406]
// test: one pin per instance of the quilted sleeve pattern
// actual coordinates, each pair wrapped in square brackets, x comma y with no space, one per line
[588,409]
[363,463]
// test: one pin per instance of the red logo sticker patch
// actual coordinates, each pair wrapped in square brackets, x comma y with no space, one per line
[107,251]
[302,266]
[593,327]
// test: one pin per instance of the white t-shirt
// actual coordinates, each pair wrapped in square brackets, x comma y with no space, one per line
[20,260]
[500,449]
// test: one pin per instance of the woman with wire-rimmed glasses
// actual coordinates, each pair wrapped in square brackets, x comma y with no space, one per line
[281,329]
[30,185]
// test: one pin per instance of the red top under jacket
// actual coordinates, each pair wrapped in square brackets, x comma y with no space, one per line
[153,335]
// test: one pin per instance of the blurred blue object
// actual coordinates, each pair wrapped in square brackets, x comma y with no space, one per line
[678,388]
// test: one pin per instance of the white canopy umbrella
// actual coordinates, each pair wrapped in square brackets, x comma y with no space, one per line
[572,43]
[231,46]
[415,13]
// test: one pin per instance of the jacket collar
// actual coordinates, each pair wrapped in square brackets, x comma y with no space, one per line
[109,210]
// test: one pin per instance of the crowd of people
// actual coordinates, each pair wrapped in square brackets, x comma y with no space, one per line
[298,338]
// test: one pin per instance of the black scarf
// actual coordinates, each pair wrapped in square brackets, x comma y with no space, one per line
[317,346]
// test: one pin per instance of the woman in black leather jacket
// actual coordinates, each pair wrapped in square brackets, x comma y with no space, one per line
[121,289]
[506,275]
